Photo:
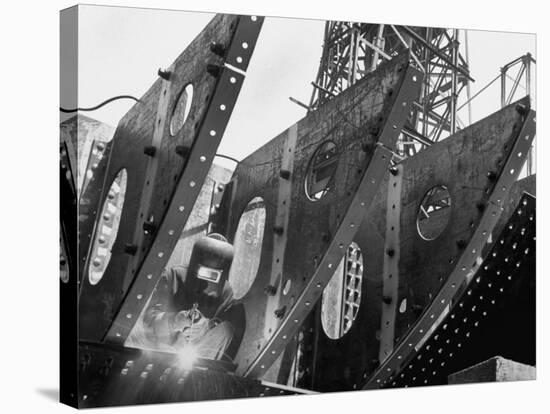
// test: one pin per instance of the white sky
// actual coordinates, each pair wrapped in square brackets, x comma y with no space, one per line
[120,50]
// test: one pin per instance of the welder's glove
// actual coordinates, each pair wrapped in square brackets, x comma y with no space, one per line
[190,325]
[195,332]
[182,320]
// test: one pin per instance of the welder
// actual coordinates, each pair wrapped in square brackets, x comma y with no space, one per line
[188,308]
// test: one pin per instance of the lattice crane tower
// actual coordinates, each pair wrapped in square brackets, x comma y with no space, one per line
[351,50]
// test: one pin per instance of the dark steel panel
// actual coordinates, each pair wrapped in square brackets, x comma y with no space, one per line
[462,163]
[167,179]
[68,284]
[364,123]
[114,375]
[521,133]
[462,339]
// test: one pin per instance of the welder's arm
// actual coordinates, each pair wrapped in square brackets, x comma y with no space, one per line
[159,316]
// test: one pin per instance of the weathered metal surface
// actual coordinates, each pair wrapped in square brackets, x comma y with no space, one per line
[165,168]
[362,123]
[68,285]
[281,221]
[68,227]
[461,339]
[82,134]
[114,375]
[469,164]
[392,253]
[518,136]
[496,369]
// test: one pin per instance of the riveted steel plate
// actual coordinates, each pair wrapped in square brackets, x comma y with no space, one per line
[362,124]
[457,343]
[468,263]
[165,170]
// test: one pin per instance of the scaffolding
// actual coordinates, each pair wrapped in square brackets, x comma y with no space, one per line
[521,68]
[351,50]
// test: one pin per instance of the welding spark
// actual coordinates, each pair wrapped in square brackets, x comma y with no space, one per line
[187,357]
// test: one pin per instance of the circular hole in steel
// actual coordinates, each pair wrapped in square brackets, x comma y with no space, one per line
[106,230]
[403,306]
[320,172]
[247,244]
[181,109]
[342,295]
[286,289]
[434,213]
[245,45]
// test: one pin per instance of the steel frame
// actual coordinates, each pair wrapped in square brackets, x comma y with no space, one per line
[466,267]
[169,168]
[352,51]
[348,226]
[200,158]
[447,350]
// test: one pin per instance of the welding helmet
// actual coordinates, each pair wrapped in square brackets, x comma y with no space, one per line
[209,266]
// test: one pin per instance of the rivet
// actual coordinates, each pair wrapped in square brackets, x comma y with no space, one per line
[150,150]
[270,290]
[130,249]
[280,313]
[182,150]
[213,70]
[164,74]
[149,227]
[284,174]
[492,176]
[521,109]
[217,49]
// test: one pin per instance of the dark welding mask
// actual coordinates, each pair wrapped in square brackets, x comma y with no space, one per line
[208,272]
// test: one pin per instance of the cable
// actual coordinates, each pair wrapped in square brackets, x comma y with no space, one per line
[227,157]
[481,90]
[93,108]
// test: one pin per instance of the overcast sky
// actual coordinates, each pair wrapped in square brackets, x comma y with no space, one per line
[120,50]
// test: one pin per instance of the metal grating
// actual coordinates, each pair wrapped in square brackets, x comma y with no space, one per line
[352,288]
[510,257]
